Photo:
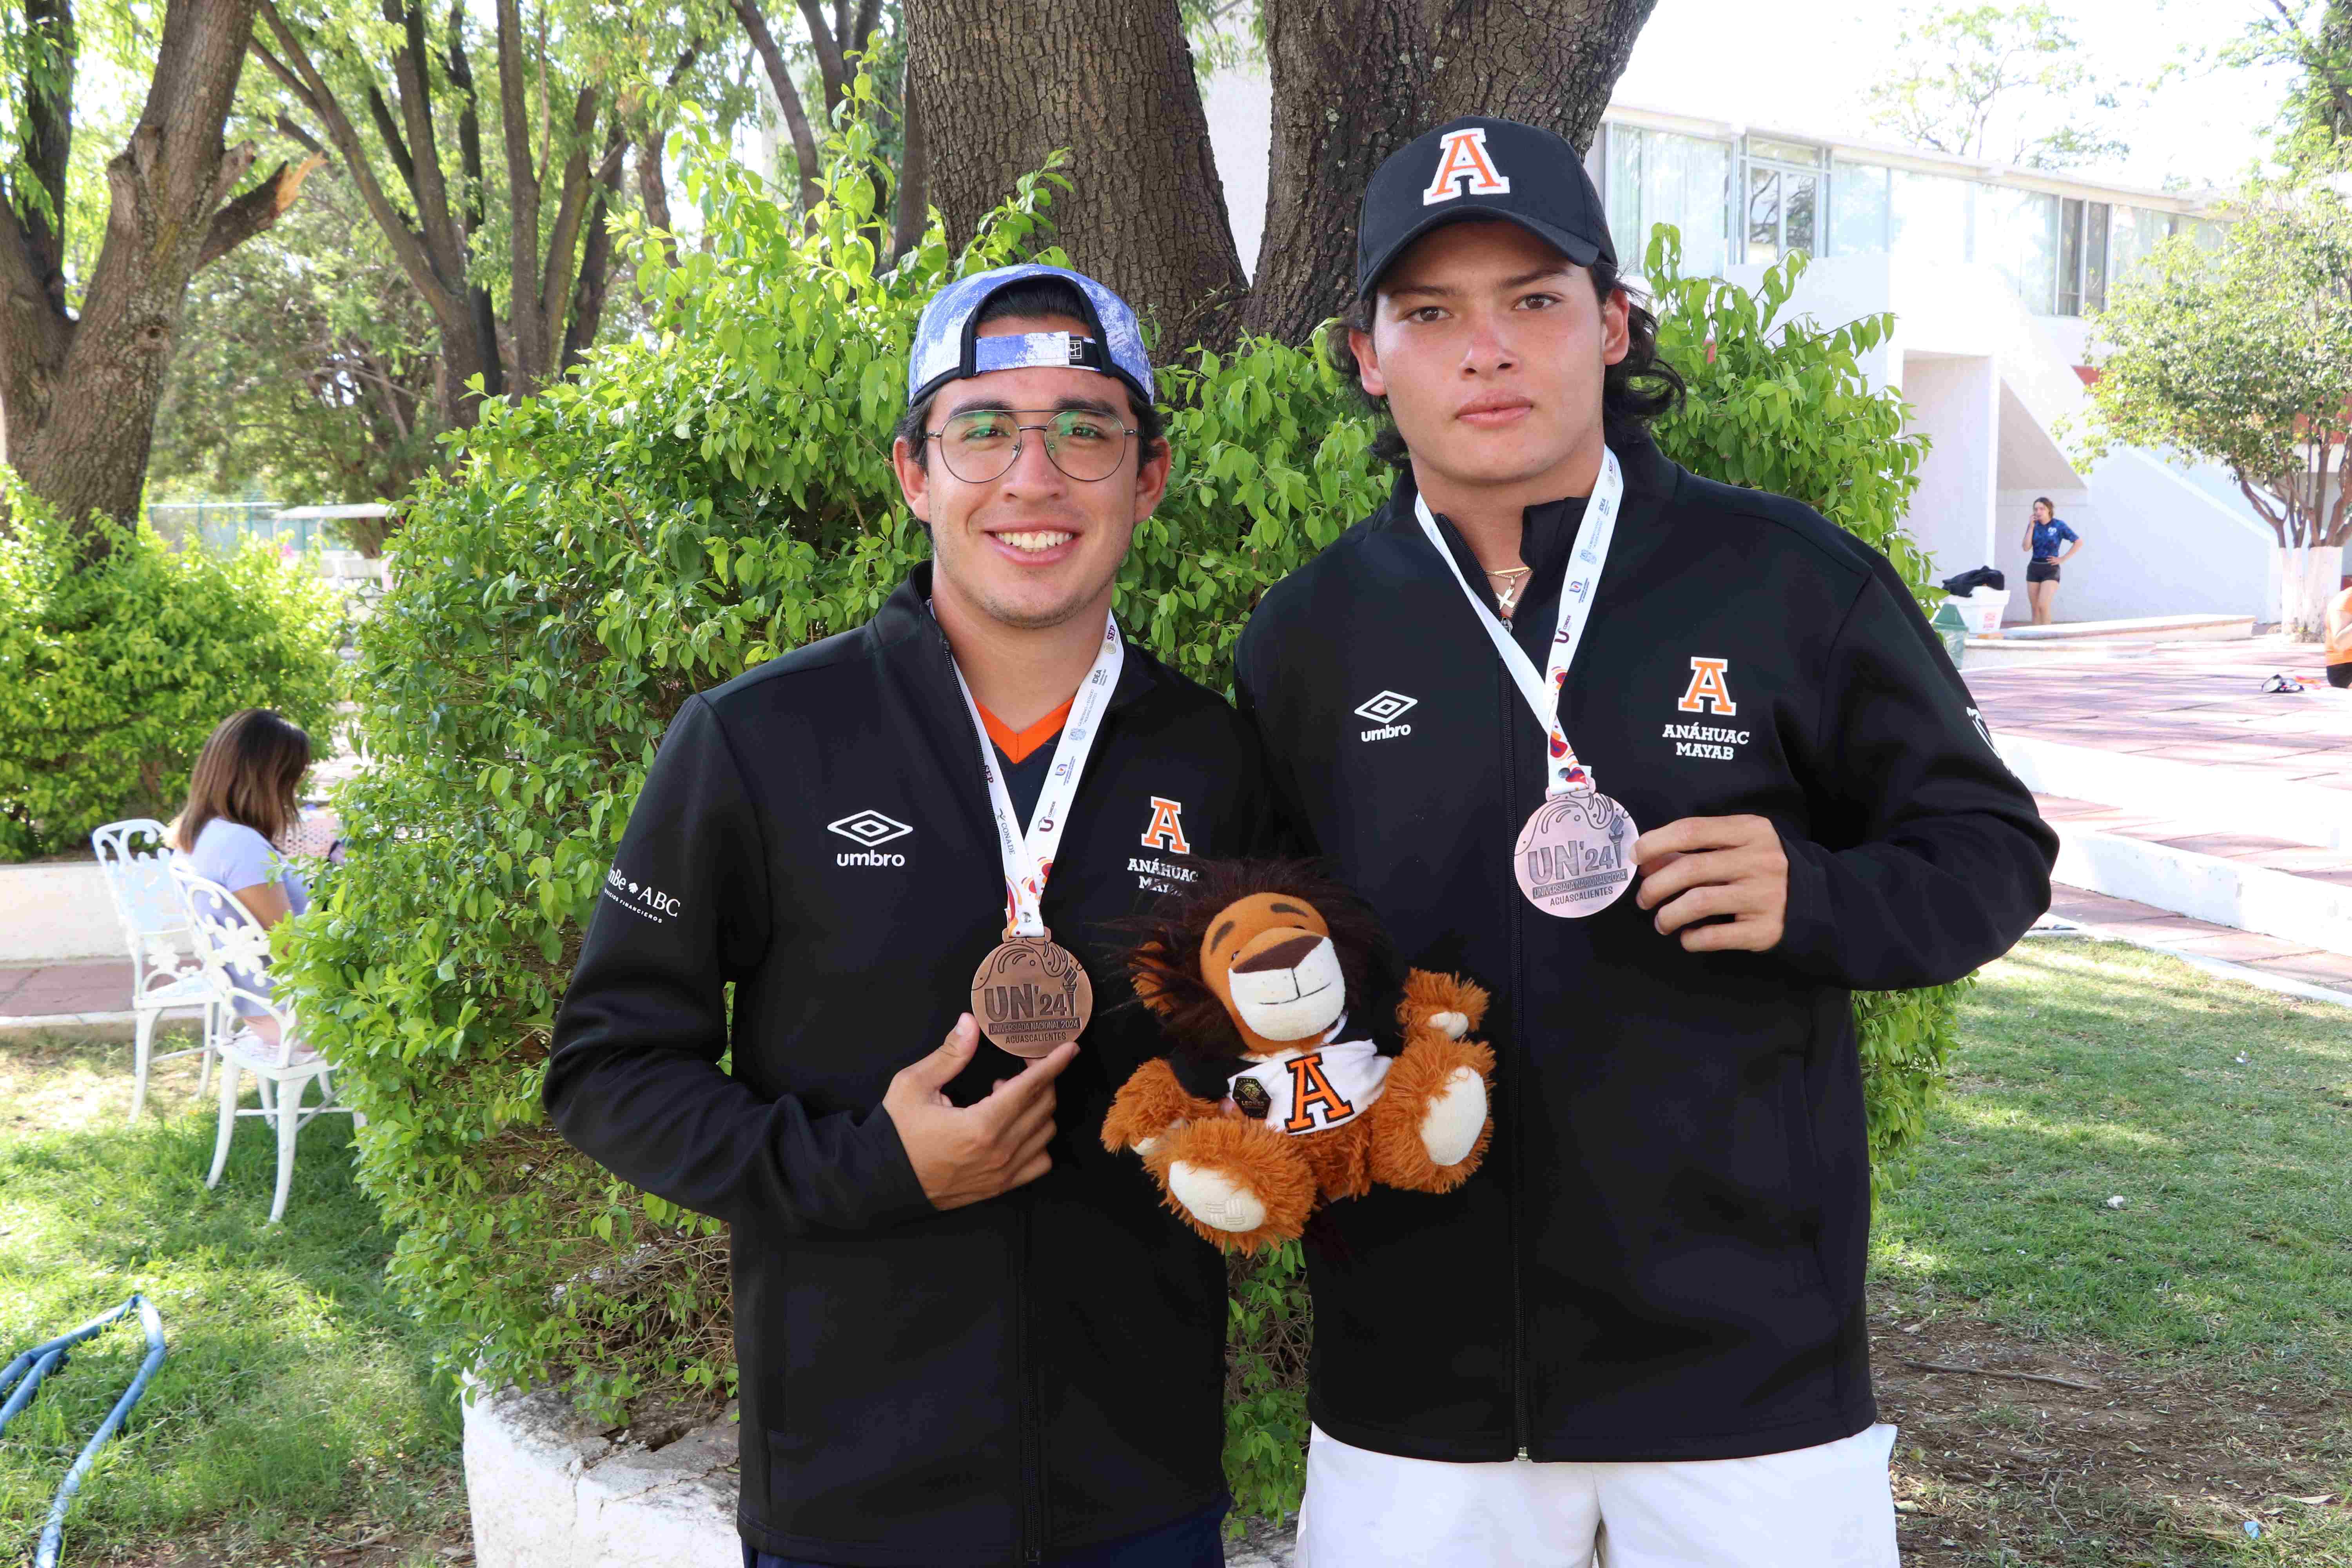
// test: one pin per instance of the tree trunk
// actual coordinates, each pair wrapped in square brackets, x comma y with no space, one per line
[1004,83]
[81,395]
[911,203]
[1356,79]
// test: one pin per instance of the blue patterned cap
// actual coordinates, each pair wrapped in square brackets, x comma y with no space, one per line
[948,346]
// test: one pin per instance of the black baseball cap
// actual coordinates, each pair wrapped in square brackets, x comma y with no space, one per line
[1477,168]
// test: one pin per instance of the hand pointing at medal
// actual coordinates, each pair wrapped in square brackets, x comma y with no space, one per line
[964,1154]
[1704,868]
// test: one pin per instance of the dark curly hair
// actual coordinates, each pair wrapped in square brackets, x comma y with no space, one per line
[1636,390]
[1165,957]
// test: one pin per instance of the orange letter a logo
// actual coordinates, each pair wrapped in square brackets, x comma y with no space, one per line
[1308,1087]
[1462,162]
[1166,829]
[1707,692]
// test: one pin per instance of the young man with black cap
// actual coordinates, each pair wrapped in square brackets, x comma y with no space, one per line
[967,1335]
[1552,660]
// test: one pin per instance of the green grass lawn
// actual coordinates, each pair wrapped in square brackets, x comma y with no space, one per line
[2219,1114]
[295,1411]
[2213,1306]
[2212,1313]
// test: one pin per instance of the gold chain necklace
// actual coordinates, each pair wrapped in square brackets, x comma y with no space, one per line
[1508,594]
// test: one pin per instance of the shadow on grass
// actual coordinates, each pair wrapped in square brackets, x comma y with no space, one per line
[294,1387]
[2089,1073]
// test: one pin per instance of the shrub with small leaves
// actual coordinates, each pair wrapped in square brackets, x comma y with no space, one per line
[113,671]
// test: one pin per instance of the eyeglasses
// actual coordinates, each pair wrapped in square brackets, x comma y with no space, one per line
[983,444]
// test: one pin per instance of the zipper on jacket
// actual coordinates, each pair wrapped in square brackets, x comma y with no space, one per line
[1032,1468]
[1513,1097]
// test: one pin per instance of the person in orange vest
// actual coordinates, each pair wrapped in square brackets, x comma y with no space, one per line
[2339,639]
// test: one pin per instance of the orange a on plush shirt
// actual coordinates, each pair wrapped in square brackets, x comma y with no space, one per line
[1258,965]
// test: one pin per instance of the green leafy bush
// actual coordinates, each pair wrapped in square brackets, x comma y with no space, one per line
[112,674]
[691,506]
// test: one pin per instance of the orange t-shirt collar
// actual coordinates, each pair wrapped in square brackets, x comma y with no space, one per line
[1017,744]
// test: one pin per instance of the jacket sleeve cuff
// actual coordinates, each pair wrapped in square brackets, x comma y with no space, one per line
[894,1193]
[1809,933]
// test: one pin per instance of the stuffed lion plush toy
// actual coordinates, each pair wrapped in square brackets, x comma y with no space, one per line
[1271,1101]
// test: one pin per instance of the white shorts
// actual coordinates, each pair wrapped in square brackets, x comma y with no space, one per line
[1824,1507]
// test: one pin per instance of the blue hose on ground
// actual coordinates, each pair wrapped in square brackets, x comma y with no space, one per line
[44,1359]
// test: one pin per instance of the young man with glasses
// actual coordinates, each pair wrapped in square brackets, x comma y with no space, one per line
[1639,1329]
[967,1333]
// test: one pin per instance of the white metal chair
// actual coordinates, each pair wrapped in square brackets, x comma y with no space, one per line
[235,951]
[154,917]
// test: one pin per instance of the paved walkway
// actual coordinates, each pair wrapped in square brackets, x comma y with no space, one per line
[2256,956]
[45,990]
[2198,703]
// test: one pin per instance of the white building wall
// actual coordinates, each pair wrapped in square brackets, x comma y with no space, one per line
[2152,543]
[1955,400]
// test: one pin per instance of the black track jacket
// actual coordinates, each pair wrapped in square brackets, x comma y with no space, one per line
[1013,1380]
[1662,1255]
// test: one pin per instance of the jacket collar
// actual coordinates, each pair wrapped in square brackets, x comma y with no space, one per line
[1650,476]
[903,630]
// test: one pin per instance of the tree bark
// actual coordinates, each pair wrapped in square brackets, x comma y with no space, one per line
[911,212]
[1356,79]
[788,96]
[80,394]
[1002,83]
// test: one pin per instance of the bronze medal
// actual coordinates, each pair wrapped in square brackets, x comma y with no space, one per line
[1575,855]
[1030,995]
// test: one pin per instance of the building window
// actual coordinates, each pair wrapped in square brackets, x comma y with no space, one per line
[2017,231]
[2096,218]
[1783,192]
[1858,210]
[2070,256]
[1932,217]
[2082,256]
[1661,176]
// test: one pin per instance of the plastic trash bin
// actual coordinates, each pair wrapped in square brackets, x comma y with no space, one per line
[1982,610]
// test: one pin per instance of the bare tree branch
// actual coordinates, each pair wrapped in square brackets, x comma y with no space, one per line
[440,296]
[530,324]
[300,137]
[555,278]
[788,96]
[256,210]
[48,135]
[830,66]
[912,211]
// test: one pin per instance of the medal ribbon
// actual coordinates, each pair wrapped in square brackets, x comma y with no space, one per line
[1563,774]
[1029,857]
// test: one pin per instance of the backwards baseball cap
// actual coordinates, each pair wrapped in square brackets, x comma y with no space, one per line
[1477,168]
[949,347]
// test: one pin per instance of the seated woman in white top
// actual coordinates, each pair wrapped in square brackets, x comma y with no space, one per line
[241,803]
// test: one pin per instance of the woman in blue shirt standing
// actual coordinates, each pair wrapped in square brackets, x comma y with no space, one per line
[2044,535]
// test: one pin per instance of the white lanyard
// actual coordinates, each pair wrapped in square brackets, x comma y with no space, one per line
[1029,857]
[1563,774]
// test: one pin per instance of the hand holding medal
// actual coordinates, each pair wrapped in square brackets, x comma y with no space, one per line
[1030,994]
[1575,855]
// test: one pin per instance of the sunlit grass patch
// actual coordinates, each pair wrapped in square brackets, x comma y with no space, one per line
[2092,1072]
[294,1389]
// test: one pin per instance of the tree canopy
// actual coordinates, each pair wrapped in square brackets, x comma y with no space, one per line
[2243,357]
[1994,81]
